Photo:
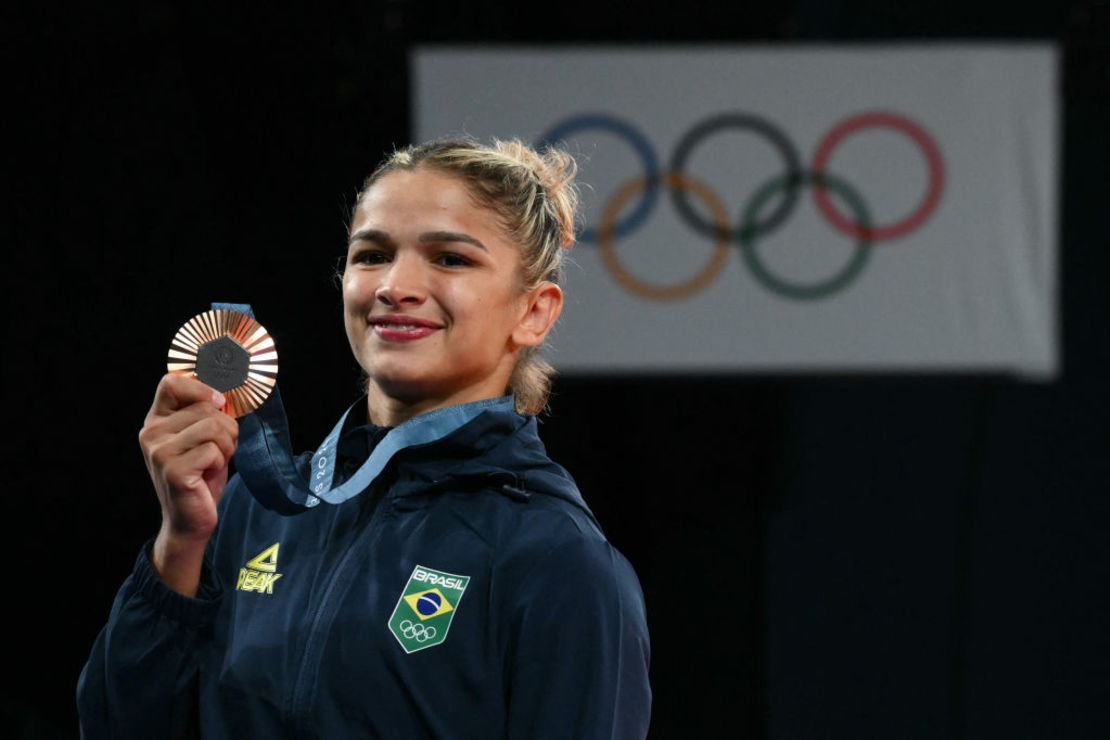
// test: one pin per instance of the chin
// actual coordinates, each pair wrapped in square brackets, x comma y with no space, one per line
[404,386]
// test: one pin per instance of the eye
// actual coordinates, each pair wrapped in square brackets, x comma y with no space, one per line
[370,256]
[451,259]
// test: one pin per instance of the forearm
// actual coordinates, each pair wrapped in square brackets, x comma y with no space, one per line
[141,677]
[178,561]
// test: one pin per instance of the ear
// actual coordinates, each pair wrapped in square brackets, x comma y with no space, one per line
[542,306]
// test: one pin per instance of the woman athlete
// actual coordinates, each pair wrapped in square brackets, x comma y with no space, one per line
[467,591]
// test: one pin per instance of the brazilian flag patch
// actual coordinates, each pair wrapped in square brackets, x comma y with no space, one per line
[426,607]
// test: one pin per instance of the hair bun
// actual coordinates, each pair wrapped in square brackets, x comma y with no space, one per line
[555,171]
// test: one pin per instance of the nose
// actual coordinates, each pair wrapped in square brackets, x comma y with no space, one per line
[403,283]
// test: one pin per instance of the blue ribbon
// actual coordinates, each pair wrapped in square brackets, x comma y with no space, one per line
[265,462]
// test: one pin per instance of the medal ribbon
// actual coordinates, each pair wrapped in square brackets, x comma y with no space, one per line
[265,461]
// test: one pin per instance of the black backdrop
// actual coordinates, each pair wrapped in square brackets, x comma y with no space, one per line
[823,557]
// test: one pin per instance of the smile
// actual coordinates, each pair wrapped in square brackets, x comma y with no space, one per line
[402,331]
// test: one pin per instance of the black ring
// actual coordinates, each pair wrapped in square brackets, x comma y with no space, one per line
[747,122]
[831,285]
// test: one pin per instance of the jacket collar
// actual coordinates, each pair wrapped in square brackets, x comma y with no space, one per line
[498,449]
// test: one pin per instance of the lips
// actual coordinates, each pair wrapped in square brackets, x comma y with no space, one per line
[401,328]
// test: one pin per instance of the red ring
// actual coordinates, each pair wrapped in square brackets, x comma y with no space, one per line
[928,147]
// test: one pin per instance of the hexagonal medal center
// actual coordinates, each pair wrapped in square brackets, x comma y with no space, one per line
[222,364]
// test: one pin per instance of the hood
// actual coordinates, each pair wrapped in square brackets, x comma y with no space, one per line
[500,450]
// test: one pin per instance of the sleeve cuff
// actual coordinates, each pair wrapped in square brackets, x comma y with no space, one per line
[188,611]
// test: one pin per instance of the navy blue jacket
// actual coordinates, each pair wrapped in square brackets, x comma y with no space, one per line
[548,640]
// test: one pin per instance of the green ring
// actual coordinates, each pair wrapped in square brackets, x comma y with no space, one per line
[825,288]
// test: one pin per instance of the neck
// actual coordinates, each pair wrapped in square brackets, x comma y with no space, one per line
[387,410]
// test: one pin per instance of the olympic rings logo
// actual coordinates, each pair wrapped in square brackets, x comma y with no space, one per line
[418,632]
[763,214]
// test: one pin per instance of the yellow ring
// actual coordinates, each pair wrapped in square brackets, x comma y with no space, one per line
[651,290]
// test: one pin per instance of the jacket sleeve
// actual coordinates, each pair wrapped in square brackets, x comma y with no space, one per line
[579,650]
[141,677]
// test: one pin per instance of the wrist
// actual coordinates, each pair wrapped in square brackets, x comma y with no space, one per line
[178,561]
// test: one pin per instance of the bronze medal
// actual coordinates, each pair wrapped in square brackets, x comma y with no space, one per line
[229,351]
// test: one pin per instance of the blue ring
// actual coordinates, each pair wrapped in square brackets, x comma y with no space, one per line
[637,140]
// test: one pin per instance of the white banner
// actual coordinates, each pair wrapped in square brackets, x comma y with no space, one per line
[787,209]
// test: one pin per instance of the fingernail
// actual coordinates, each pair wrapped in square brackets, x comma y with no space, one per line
[218,399]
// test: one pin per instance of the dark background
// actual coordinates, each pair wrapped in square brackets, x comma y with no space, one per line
[823,557]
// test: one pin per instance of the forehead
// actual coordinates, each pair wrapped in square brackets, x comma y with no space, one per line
[423,198]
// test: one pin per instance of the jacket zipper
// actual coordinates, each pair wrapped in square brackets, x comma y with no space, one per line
[300,703]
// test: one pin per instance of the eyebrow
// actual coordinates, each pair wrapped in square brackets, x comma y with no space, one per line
[380,237]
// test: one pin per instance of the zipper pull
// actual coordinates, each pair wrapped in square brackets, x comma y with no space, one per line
[516,494]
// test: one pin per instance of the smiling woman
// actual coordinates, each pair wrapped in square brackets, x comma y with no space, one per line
[339,621]
[437,306]
[498,217]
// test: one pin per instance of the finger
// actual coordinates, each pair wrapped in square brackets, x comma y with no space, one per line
[208,429]
[187,473]
[191,506]
[216,479]
[159,426]
[175,392]
[157,437]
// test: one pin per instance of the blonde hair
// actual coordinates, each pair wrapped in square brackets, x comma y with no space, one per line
[534,194]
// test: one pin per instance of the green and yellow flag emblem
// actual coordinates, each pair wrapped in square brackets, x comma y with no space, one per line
[426,607]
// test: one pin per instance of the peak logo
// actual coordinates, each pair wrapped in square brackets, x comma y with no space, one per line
[260,573]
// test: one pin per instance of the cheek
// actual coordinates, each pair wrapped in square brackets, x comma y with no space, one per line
[482,306]
[356,292]
[499,312]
